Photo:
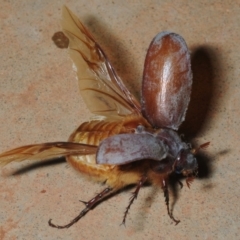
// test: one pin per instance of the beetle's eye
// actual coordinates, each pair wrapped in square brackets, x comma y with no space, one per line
[178,170]
[185,163]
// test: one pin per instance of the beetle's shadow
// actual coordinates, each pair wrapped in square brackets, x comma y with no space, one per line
[205,66]
[40,164]
[116,53]
[203,92]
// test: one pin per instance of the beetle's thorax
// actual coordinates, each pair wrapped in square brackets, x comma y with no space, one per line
[180,158]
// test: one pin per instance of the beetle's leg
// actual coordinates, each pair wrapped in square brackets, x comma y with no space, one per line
[166,195]
[189,181]
[180,183]
[134,196]
[89,205]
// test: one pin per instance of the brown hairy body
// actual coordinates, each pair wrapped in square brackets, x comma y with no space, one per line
[93,133]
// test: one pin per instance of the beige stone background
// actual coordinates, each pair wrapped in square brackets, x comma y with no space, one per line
[40,102]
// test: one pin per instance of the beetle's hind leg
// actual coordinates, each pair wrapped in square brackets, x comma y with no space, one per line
[166,195]
[134,196]
[89,205]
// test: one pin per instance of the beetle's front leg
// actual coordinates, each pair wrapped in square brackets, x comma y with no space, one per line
[166,195]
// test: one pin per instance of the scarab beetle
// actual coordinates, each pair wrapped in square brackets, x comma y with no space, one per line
[133,143]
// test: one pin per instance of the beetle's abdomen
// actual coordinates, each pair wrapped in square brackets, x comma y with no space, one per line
[93,133]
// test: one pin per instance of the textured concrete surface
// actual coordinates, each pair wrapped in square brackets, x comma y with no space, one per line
[40,102]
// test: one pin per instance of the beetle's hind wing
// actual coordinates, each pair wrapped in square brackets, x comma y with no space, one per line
[101,88]
[46,151]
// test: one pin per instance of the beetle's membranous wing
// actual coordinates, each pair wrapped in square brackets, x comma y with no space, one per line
[101,88]
[46,151]
[167,81]
[125,148]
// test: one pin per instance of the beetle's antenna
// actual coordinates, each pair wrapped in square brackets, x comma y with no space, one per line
[202,146]
[89,205]
[133,197]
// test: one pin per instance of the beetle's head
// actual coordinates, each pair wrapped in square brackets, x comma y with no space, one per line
[186,163]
